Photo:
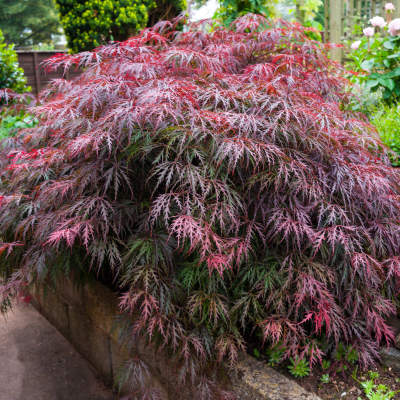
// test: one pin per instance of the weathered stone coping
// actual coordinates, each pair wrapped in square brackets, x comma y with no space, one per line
[253,380]
[84,317]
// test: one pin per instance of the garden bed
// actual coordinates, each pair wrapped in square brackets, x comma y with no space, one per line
[342,382]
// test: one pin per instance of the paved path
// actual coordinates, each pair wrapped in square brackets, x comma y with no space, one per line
[38,363]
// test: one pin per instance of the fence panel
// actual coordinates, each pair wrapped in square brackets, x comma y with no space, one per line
[37,79]
[341,14]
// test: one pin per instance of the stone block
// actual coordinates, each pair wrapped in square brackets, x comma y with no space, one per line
[72,294]
[252,380]
[101,305]
[92,343]
[86,317]
[36,301]
[397,341]
[119,355]
[390,357]
[55,310]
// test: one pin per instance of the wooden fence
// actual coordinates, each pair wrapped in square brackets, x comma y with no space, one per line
[340,16]
[37,79]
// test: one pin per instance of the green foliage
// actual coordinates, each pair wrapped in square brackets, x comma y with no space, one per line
[352,356]
[166,10]
[299,368]
[43,46]
[6,305]
[325,378]
[28,22]
[376,392]
[340,352]
[376,64]
[256,353]
[386,119]
[229,10]
[275,355]
[315,32]
[11,76]
[320,15]
[342,367]
[373,375]
[346,353]
[364,100]
[11,124]
[325,364]
[309,13]
[308,10]
[90,23]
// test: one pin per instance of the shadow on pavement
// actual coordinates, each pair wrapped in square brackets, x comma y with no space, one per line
[38,363]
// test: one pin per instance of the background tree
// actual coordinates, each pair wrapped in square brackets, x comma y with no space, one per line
[309,13]
[90,23]
[165,10]
[308,10]
[11,76]
[231,9]
[303,11]
[28,22]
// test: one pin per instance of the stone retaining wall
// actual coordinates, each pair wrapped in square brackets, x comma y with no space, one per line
[84,316]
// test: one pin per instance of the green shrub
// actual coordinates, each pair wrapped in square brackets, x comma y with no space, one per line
[29,22]
[229,10]
[11,76]
[365,100]
[11,124]
[386,120]
[91,23]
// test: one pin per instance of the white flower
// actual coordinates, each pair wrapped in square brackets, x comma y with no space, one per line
[389,7]
[368,32]
[378,22]
[356,45]
[394,27]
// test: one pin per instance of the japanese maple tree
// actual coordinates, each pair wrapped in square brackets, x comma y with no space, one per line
[220,176]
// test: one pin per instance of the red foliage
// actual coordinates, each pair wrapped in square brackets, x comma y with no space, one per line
[221,176]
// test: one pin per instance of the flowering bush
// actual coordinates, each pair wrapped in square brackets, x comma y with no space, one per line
[376,56]
[220,176]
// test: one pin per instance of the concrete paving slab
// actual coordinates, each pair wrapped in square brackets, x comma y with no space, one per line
[38,363]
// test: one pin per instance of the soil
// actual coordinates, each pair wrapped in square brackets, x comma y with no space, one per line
[341,383]
[344,383]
